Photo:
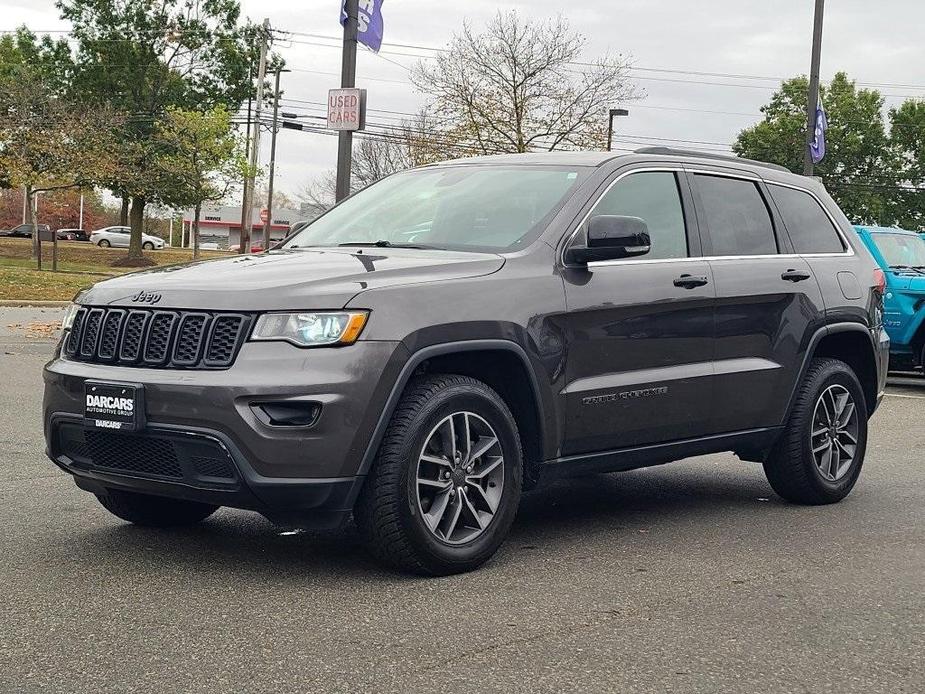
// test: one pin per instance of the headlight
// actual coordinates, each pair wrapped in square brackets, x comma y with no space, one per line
[311,329]
[68,321]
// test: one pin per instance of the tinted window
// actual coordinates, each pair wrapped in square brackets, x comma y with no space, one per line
[736,216]
[654,198]
[809,226]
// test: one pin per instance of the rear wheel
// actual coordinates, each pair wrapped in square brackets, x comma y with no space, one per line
[154,511]
[819,456]
[104,243]
[446,483]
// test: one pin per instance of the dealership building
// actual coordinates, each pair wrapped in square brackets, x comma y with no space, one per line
[221,225]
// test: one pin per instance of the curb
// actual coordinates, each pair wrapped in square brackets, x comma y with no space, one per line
[22,303]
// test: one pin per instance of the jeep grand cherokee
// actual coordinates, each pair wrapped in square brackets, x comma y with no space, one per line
[458,333]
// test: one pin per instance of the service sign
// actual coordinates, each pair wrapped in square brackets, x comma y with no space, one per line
[347,109]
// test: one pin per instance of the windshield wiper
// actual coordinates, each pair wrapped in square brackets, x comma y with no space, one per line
[915,268]
[386,244]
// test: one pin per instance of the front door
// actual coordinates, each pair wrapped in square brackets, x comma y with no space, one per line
[639,331]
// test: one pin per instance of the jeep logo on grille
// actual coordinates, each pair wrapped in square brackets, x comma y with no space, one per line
[146,297]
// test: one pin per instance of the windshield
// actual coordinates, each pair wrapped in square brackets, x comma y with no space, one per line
[901,249]
[488,208]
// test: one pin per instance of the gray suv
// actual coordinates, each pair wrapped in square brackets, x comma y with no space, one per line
[456,334]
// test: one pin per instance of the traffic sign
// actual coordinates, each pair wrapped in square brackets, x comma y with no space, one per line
[347,109]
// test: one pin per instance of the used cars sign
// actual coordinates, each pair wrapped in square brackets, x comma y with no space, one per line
[347,109]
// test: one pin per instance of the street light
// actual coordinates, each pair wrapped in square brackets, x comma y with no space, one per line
[613,112]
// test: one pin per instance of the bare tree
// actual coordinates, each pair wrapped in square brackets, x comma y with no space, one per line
[519,86]
[380,154]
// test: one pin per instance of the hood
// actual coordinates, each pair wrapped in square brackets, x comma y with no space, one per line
[908,283]
[287,279]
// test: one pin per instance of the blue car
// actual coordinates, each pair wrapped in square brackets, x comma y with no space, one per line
[901,254]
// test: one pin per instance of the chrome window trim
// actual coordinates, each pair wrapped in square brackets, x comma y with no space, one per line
[743,175]
[653,169]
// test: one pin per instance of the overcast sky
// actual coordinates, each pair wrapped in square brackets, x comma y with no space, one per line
[875,42]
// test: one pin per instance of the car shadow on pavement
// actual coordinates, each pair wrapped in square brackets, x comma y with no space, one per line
[610,508]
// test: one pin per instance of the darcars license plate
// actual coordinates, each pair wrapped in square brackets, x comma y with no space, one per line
[114,406]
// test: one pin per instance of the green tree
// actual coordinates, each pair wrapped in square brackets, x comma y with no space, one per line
[46,143]
[203,155]
[859,166]
[50,61]
[907,135]
[143,56]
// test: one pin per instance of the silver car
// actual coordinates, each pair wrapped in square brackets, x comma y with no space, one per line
[118,237]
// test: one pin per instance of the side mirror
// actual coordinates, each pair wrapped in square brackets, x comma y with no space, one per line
[611,237]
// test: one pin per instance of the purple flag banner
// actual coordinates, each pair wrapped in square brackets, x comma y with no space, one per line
[817,146]
[369,22]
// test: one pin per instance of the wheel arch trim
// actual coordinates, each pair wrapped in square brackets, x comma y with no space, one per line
[422,355]
[818,336]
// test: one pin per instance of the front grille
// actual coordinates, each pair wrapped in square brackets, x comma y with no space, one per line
[157,339]
[159,454]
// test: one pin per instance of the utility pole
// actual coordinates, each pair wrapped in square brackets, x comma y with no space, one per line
[348,75]
[267,224]
[247,149]
[80,223]
[247,222]
[812,101]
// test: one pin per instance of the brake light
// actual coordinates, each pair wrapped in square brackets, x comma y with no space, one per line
[879,281]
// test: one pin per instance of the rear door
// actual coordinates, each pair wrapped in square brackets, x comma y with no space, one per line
[639,331]
[768,303]
[843,276]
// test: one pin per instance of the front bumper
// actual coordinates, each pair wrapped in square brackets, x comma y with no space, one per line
[284,472]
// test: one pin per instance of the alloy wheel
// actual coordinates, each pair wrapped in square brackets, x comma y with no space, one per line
[460,478]
[834,435]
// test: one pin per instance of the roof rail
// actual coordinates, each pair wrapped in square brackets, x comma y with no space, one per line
[707,155]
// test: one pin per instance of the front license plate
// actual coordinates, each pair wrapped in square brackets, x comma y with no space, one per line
[114,406]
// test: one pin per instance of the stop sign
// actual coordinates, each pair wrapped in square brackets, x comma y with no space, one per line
[264,215]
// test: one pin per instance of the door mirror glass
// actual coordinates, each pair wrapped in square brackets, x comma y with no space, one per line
[611,237]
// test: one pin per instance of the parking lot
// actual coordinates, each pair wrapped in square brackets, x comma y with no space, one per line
[687,577]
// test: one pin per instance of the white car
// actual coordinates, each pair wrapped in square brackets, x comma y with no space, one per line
[118,237]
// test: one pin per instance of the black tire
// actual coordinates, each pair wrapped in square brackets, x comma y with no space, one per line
[104,243]
[148,246]
[791,468]
[388,511]
[154,511]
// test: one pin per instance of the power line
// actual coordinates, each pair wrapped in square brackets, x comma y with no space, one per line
[631,68]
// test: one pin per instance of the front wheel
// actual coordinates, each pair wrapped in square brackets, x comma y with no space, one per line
[154,511]
[104,243]
[148,246]
[446,483]
[819,456]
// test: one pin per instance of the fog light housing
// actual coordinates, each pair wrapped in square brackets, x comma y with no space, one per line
[287,413]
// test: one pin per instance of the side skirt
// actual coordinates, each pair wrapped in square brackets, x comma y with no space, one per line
[751,445]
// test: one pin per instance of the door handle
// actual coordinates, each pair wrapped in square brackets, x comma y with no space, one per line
[795,276]
[690,281]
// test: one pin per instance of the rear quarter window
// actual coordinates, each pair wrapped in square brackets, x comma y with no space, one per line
[810,228]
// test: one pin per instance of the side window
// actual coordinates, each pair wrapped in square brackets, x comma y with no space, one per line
[652,196]
[737,217]
[810,228]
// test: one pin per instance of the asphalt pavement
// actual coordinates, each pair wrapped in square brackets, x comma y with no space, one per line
[690,577]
